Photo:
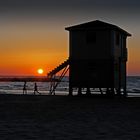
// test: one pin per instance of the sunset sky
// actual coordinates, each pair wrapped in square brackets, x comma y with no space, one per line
[32,32]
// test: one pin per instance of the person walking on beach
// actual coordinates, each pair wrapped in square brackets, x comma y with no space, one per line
[35,89]
[24,88]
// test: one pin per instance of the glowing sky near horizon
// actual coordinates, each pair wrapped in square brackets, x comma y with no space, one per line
[32,32]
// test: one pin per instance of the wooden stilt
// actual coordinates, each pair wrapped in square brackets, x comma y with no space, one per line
[79,91]
[70,91]
[125,84]
[88,91]
[107,91]
[119,91]
[101,90]
[112,91]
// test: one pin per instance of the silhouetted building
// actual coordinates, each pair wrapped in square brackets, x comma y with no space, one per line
[97,57]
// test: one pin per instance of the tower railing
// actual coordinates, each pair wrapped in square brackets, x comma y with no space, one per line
[52,75]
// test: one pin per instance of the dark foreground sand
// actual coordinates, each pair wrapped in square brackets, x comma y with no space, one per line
[66,118]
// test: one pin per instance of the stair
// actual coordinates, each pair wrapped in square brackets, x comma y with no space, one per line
[58,68]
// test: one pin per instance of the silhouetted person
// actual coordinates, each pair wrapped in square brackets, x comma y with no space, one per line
[24,88]
[35,89]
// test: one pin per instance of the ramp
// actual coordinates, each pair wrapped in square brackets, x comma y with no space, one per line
[52,74]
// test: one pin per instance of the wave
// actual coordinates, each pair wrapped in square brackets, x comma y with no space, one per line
[133,86]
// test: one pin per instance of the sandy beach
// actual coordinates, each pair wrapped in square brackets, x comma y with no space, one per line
[24,117]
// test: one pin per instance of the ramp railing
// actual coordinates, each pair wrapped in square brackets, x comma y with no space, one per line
[52,75]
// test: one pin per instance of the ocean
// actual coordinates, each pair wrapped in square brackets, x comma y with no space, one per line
[43,87]
[133,87]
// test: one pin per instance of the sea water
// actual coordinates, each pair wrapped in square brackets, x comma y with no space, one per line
[133,87]
[43,87]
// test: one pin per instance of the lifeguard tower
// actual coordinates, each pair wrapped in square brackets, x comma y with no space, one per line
[97,58]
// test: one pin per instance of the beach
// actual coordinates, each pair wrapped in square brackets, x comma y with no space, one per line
[39,117]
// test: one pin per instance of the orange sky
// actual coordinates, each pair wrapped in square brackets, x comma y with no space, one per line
[32,32]
[133,66]
[25,47]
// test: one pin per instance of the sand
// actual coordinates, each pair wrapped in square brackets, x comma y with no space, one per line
[24,117]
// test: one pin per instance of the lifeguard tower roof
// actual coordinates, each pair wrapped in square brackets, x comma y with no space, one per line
[97,24]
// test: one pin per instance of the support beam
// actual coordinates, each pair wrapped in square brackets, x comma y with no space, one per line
[88,91]
[101,91]
[79,91]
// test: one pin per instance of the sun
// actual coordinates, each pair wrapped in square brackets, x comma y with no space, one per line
[40,71]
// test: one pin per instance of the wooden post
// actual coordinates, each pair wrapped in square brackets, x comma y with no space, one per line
[120,78]
[70,82]
[124,88]
[79,91]
[101,91]
[112,91]
[88,91]
[70,90]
